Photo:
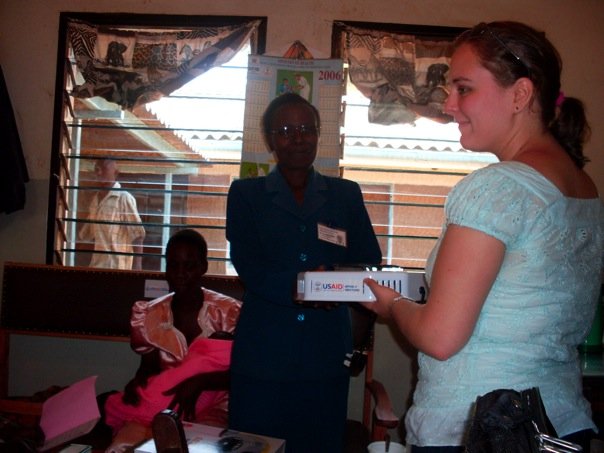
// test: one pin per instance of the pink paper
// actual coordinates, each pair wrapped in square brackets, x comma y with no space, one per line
[70,413]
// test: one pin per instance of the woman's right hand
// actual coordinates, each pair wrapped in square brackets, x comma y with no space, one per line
[384,296]
[149,366]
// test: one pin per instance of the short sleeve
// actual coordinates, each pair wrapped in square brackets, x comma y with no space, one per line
[130,215]
[151,328]
[219,313]
[493,202]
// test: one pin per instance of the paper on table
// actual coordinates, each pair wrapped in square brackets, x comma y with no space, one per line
[70,413]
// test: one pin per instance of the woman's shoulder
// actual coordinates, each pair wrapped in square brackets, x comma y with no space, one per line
[495,200]
[338,183]
[249,182]
[509,177]
[248,187]
[505,169]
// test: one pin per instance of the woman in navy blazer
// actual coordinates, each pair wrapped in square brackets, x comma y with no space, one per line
[288,378]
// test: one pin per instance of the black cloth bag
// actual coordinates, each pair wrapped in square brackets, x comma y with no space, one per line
[508,421]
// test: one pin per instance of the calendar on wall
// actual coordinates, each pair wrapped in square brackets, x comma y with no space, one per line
[320,81]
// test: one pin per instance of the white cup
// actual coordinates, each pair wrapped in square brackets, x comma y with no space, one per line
[380,447]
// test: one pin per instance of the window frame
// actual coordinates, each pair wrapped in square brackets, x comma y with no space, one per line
[156,21]
[373,199]
[385,230]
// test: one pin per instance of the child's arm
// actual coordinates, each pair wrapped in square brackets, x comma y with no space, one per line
[187,392]
[149,366]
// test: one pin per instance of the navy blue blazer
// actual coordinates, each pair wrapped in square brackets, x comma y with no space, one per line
[272,238]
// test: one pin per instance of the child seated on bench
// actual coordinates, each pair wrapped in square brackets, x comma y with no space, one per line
[185,353]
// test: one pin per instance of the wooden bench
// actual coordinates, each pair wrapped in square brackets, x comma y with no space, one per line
[75,302]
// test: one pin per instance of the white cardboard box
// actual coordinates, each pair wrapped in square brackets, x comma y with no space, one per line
[348,286]
[209,439]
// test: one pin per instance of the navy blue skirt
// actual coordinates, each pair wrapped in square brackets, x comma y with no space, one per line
[310,415]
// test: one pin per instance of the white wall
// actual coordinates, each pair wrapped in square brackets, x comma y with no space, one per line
[28,51]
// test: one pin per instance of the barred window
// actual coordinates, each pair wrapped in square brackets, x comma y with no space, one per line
[175,157]
[397,144]
[176,145]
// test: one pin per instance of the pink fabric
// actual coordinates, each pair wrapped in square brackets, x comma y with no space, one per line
[205,355]
[560,99]
[152,325]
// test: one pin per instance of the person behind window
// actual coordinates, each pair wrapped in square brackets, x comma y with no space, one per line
[114,223]
[288,379]
[515,276]
[181,340]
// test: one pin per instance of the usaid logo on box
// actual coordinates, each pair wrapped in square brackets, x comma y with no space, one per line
[345,286]
[328,286]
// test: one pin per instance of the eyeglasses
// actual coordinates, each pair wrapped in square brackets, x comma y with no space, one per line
[506,47]
[289,132]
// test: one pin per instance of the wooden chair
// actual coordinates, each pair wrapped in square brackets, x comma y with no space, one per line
[378,415]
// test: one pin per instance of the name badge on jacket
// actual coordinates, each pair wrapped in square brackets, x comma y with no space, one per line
[332,235]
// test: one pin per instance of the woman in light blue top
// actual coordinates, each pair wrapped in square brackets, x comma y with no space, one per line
[515,276]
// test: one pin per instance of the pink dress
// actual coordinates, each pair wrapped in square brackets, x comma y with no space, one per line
[152,328]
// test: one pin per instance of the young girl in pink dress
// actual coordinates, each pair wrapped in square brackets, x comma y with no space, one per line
[185,353]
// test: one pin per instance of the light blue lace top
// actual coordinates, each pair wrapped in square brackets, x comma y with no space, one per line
[539,309]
